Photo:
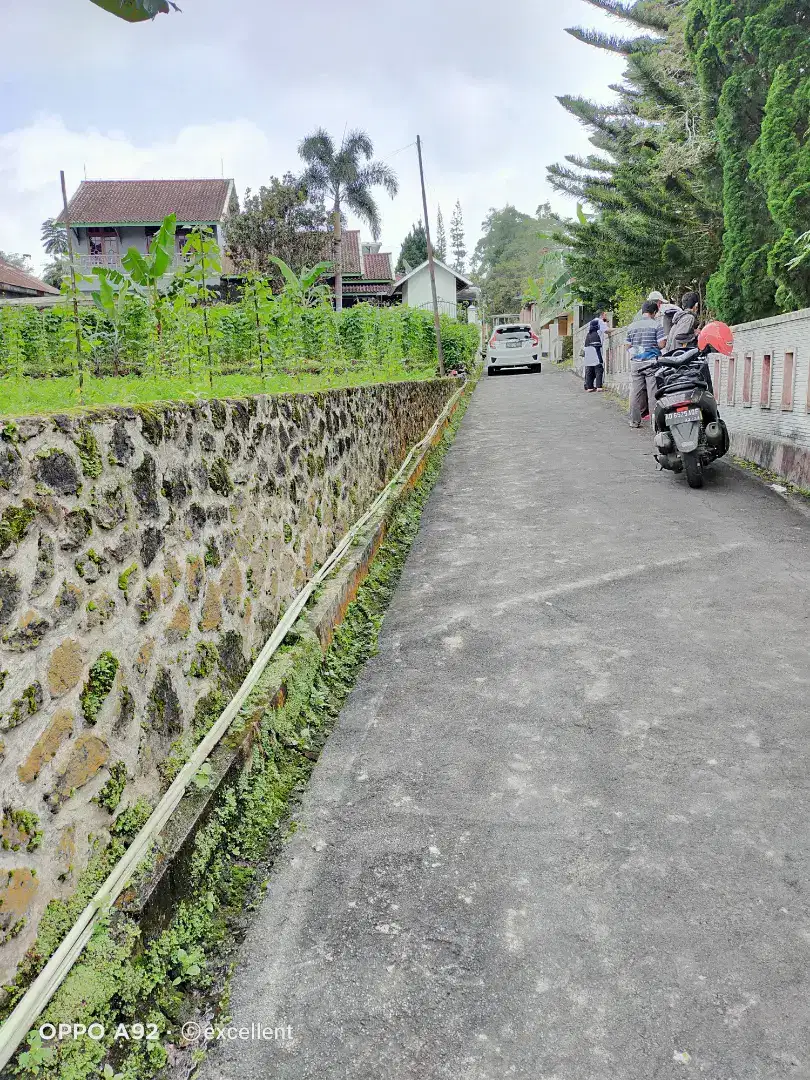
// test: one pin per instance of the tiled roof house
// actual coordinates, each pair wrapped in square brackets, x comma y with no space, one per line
[367,272]
[16,283]
[109,216]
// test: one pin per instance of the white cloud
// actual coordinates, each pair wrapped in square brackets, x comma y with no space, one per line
[177,96]
[31,157]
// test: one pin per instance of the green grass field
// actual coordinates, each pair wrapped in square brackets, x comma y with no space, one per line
[24,397]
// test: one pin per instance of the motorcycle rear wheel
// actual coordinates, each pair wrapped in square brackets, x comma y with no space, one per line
[693,467]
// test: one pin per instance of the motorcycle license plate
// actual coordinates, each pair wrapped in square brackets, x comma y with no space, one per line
[688,416]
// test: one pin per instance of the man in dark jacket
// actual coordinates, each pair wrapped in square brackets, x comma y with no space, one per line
[681,324]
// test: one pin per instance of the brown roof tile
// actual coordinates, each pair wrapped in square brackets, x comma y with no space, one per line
[350,251]
[147,202]
[366,288]
[350,257]
[377,267]
[10,275]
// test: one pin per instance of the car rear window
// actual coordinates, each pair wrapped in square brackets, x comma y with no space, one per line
[513,330]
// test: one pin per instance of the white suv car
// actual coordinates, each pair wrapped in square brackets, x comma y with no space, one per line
[513,345]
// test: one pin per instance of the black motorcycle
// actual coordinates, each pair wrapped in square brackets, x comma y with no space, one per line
[689,434]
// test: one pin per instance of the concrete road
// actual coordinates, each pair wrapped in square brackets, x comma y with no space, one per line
[561,831]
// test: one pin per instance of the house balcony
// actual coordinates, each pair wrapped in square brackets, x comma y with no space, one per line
[85,264]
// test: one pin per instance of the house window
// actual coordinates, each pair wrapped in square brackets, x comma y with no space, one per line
[718,372]
[748,380]
[767,377]
[732,380]
[104,245]
[787,383]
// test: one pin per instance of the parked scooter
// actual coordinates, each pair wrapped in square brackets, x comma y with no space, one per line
[689,432]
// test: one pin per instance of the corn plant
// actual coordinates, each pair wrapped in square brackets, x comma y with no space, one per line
[202,260]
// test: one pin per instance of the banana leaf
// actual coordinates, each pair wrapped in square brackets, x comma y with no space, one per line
[134,11]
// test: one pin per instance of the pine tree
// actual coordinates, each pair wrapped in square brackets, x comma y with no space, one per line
[414,249]
[457,239]
[654,183]
[440,247]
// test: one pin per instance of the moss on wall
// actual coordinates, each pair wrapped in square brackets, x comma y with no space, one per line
[164,980]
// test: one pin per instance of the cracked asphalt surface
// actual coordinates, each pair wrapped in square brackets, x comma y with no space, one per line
[561,829]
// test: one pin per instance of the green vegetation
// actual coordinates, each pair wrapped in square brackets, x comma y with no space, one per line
[163,980]
[26,824]
[110,795]
[14,523]
[100,681]
[457,242]
[700,176]
[123,578]
[440,249]
[382,344]
[414,250]
[283,220]
[89,453]
[153,335]
[205,661]
[516,258]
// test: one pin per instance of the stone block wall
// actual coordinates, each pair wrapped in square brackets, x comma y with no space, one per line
[145,556]
[763,390]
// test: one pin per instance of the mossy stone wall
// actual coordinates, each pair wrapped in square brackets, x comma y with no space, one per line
[145,556]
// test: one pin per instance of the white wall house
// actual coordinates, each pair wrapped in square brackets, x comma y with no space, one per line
[451,288]
[108,217]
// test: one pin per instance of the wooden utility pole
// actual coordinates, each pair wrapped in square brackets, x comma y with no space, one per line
[73,285]
[431,267]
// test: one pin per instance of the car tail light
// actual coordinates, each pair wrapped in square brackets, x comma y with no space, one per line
[535,339]
[493,341]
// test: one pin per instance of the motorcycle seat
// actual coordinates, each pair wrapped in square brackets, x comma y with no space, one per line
[678,358]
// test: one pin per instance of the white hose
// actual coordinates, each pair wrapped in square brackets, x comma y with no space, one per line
[56,969]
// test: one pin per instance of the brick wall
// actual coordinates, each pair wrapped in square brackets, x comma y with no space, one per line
[770,428]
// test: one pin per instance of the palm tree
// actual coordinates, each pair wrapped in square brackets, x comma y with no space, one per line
[346,178]
[54,237]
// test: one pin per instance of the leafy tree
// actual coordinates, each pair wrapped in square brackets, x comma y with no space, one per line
[346,177]
[54,237]
[280,221]
[55,272]
[440,249]
[21,262]
[414,250]
[509,255]
[457,239]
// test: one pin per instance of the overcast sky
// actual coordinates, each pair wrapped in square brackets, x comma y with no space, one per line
[234,85]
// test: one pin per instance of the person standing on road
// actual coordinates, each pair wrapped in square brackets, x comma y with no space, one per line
[643,338]
[594,358]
